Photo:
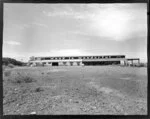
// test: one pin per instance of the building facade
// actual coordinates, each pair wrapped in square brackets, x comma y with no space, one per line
[79,60]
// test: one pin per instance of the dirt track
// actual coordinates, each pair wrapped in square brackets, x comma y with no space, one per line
[75,90]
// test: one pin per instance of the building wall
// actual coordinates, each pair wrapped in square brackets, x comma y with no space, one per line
[68,61]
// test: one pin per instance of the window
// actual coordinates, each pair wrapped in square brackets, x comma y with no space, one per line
[75,57]
[66,57]
[122,56]
[113,56]
[49,62]
[47,58]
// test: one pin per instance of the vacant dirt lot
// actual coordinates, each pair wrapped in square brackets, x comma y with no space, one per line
[75,90]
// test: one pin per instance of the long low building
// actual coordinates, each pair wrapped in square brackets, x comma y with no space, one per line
[79,60]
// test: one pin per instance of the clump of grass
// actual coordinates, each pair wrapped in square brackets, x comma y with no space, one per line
[4,67]
[48,72]
[23,79]
[142,65]
[139,65]
[7,73]
[38,89]
[10,65]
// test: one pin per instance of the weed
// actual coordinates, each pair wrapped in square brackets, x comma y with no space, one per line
[23,79]
[7,73]
[4,67]
[10,65]
[38,89]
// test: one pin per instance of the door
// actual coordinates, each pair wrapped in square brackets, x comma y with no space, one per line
[54,63]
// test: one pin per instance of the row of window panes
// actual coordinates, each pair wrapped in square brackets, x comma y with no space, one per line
[51,62]
[94,57]
[47,62]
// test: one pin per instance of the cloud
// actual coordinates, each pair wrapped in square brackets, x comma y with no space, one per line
[16,56]
[9,54]
[24,26]
[12,43]
[65,13]
[63,52]
[21,26]
[120,21]
[39,24]
[69,52]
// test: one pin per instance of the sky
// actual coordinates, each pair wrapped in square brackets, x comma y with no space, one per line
[74,29]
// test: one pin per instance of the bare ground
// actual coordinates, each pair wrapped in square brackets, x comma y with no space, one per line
[75,90]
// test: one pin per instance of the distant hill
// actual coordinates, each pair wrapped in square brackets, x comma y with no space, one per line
[7,61]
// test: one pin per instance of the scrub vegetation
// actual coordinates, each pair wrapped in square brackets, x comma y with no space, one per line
[98,90]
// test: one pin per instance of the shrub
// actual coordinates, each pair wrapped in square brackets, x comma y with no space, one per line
[28,79]
[6,61]
[4,67]
[10,65]
[23,79]
[7,73]
[38,89]
[141,65]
